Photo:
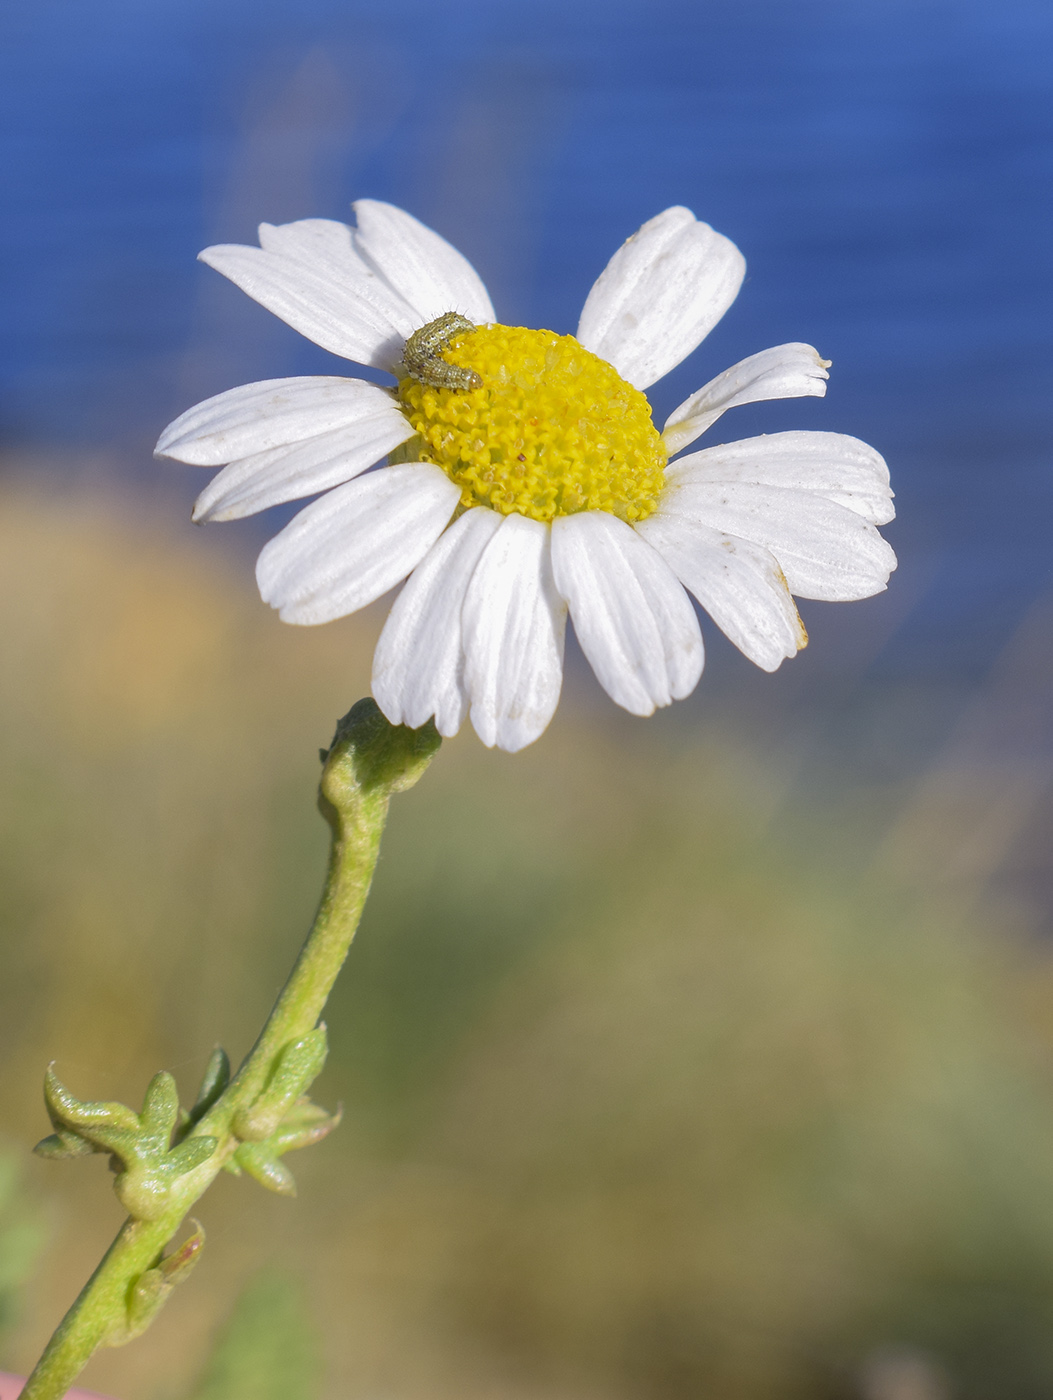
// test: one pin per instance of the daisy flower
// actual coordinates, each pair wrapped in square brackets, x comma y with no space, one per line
[525,480]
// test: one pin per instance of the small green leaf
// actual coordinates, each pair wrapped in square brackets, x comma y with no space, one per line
[63,1144]
[149,1292]
[160,1107]
[215,1080]
[190,1154]
[68,1112]
[305,1125]
[264,1167]
[297,1066]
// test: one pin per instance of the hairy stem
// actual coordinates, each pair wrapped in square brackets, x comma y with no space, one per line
[369,760]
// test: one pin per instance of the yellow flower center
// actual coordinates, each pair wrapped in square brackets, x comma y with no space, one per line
[552,429]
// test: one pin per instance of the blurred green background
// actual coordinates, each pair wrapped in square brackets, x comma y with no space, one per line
[670,1067]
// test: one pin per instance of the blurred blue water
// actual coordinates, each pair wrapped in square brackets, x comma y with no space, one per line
[886,166]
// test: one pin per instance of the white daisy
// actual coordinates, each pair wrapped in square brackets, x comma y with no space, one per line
[526,479]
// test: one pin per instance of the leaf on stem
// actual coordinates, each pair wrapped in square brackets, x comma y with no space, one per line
[296,1067]
[150,1290]
[149,1168]
[305,1123]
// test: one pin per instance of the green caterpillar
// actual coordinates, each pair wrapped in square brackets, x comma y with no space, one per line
[422,358]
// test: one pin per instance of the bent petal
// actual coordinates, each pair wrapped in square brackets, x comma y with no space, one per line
[825,550]
[841,468]
[738,583]
[633,619]
[418,666]
[429,273]
[309,274]
[514,623]
[269,413]
[784,372]
[660,295]
[359,540]
[266,479]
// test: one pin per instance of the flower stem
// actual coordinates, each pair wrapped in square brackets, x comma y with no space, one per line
[368,761]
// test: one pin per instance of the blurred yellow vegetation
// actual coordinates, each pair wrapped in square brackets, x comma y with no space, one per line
[642,1097]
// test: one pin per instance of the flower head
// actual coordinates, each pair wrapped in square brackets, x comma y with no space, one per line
[525,478]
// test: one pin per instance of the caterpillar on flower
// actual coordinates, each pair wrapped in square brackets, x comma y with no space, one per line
[422,358]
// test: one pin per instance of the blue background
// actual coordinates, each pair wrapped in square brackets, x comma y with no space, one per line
[885,165]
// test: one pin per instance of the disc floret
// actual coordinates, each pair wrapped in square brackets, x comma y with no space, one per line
[551,430]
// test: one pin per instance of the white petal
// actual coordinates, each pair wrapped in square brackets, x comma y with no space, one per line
[311,240]
[514,623]
[660,295]
[429,273]
[270,413]
[418,666]
[833,465]
[299,469]
[784,372]
[825,550]
[345,550]
[326,246]
[309,274]
[738,583]
[633,619]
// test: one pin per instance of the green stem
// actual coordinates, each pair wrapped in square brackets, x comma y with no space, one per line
[87,1325]
[369,760]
